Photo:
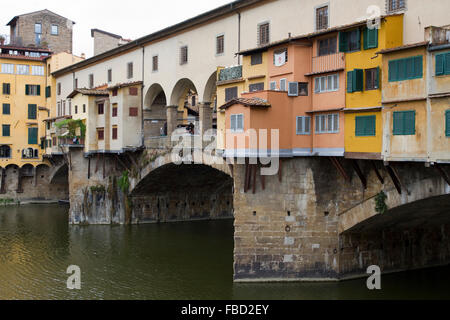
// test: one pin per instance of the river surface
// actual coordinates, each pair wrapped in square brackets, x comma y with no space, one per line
[192,260]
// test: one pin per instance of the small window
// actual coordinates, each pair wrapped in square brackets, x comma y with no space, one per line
[101,108]
[76,109]
[350,41]
[322,18]
[256,87]
[130,70]
[48,92]
[404,123]
[303,89]
[32,90]
[327,123]
[38,28]
[256,58]
[75,84]
[100,134]
[114,110]
[91,81]
[133,112]
[84,108]
[263,33]
[193,101]
[280,57]
[110,75]
[155,65]
[365,126]
[220,44]
[32,135]
[115,92]
[183,55]
[7,68]
[23,69]
[273,85]
[372,79]
[283,85]
[6,131]
[133,91]
[231,93]
[6,108]
[327,46]
[395,5]
[32,112]
[6,88]
[303,125]
[326,83]
[37,70]
[54,29]
[355,80]
[443,64]
[59,88]
[114,132]
[237,123]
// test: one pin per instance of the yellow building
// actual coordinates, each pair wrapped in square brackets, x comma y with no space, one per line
[363,120]
[23,106]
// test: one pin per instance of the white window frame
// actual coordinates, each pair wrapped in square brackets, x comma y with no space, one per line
[234,120]
[57,30]
[37,70]
[21,69]
[323,120]
[319,80]
[273,85]
[285,85]
[7,68]
[305,119]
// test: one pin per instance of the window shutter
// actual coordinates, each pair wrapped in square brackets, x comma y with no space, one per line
[447,63]
[293,89]
[418,66]
[377,78]
[410,123]
[233,123]
[27,89]
[370,38]
[32,111]
[447,123]
[350,77]
[32,135]
[359,126]
[440,64]
[358,39]
[300,127]
[359,83]
[38,90]
[366,38]
[402,73]
[343,42]
[392,71]
[398,123]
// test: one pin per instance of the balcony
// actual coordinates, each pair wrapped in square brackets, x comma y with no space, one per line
[328,63]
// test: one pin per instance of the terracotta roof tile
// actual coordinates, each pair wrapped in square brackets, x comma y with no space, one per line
[89,92]
[248,102]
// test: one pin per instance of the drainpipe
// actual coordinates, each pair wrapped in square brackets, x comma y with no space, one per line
[142,97]
[239,37]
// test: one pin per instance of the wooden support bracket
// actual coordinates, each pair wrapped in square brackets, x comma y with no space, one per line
[340,168]
[377,172]
[255,168]
[443,173]
[359,173]
[394,178]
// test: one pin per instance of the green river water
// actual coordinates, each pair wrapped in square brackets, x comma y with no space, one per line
[192,260]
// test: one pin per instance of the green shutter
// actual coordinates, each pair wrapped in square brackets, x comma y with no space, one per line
[32,113]
[6,108]
[410,68]
[370,38]
[350,77]
[6,130]
[402,74]
[358,36]
[48,92]
[418,67]
[359,80]
[27,89]
[398,123]
[343,42]
[377,78]
[447,123]
[365,126]
[366,38]
[392,70]
[32,135]
[447,63]
[405,123]
[39,90]
[440,64]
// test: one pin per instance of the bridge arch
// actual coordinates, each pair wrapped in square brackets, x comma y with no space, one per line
[180,91]
[210,91]
[154,94]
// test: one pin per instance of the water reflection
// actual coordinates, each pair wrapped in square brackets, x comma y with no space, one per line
[168,261]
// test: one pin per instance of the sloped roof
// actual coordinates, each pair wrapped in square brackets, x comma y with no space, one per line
[105,32]
[88,92]
[247,102]
[13,20]
[124,85]
[405,47]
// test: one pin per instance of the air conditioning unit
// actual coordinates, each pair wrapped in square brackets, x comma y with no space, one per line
[293,88]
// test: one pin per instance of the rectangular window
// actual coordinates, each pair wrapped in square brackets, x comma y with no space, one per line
[443,64]
[6,130]
[58,86]
[273,85]
[263,33]
[130,70]
[372,79]
[327,123]
[365,126]
[256,59]
[54,30]
[183,55]
[84,108]
[326,83]
[114,110]
[220,44]
[406,69]
[355,80]
[101,108]
[350,41]
[303,89]
[256,87]
[303,125]
[322,18]
[133,91]
[109,75]
[280,57]
[133,112]
[32,111]
[115,92]
[114,132]
[91,81]
[32,90]
[37,70]
[283,84]
[76,109]
[23,69]
[447,123]
[231,93]
[404,123]
[7,68]
[7,88]
[395,5]
[237,123]
[100,134]
[32,135]
[155,65]
[75,84]
[48,92]
[6,108]
[370,38]
[327,46]
[38,28]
